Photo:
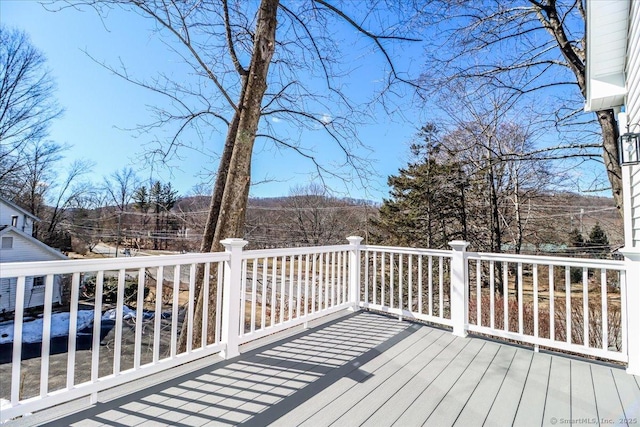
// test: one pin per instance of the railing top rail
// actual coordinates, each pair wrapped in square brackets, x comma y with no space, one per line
[41,268]
[549,260]
[268,253]
[405,250]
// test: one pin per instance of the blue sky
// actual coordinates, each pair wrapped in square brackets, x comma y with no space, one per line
[99,106]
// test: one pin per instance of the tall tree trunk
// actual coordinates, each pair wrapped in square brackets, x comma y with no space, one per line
[236,190]
[610,154]
[463,209]
[207,241]
[232,204]
[575,59]
[518,213]
[157,227]
[218,188]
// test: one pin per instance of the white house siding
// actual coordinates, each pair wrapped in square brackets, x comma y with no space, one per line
[632,107]
[33,295]
[23,250]
[7,212]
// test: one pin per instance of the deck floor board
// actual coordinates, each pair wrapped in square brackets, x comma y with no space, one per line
[558,402]
[505,406]
[369,369]
[477,407]
[385,399]
[582,392]
[534,395]
[372,374]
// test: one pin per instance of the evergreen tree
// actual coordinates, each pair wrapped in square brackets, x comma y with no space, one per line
[158,199]
[426,204]
[141,199]
[576,241]
[598,240]
[577,247]
[470,183]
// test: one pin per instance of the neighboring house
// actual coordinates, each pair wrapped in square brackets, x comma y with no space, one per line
[13,215]
[613,81]
[18,245]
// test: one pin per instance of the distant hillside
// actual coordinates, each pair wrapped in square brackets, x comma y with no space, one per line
[318,220]
[566,211]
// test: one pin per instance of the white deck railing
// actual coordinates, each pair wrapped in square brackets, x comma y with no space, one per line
[132,352]
[281,288]
[576,305]
[408,282]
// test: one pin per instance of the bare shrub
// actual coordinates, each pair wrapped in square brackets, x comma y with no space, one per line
[577,318]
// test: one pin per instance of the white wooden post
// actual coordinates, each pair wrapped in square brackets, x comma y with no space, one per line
[231,297]
[632,302]
[459,289]
[354,272]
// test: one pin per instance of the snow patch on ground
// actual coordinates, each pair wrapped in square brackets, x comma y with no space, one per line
[32,330]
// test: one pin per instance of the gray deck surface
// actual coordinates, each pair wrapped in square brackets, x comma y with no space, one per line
[367,369]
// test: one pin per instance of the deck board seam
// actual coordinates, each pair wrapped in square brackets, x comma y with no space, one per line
[595,397]
[398,390]
[416,342]
[499,388]
[454,383]
[546,392]
[477,384]
[515,415]
[615,383]
[570,389]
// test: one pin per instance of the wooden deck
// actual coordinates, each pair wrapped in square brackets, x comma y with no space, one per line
[367,369]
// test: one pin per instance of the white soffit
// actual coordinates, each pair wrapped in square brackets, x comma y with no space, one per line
[607,30]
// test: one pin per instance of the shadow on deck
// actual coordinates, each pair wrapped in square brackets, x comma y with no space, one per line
[367,369]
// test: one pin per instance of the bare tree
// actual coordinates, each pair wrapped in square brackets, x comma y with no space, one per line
[44,192]
[316,218]
[33,180]
[528,48]
[495,142]
[250,75]
[68,193]
[120,186]
[27,105]
[87,220]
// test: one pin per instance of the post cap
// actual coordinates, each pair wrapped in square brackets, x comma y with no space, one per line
[459,245]
[233,242]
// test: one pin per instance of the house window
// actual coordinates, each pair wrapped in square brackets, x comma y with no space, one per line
[7,242]
[38,281]
[14,221]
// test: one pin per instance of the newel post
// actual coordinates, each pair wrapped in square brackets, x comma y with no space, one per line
[231,287]
[354,272]
[459,289]
[630,286]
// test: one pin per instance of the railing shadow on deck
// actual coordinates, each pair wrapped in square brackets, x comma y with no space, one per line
[252,390]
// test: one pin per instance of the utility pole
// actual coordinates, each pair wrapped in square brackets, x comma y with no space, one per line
[118,238]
